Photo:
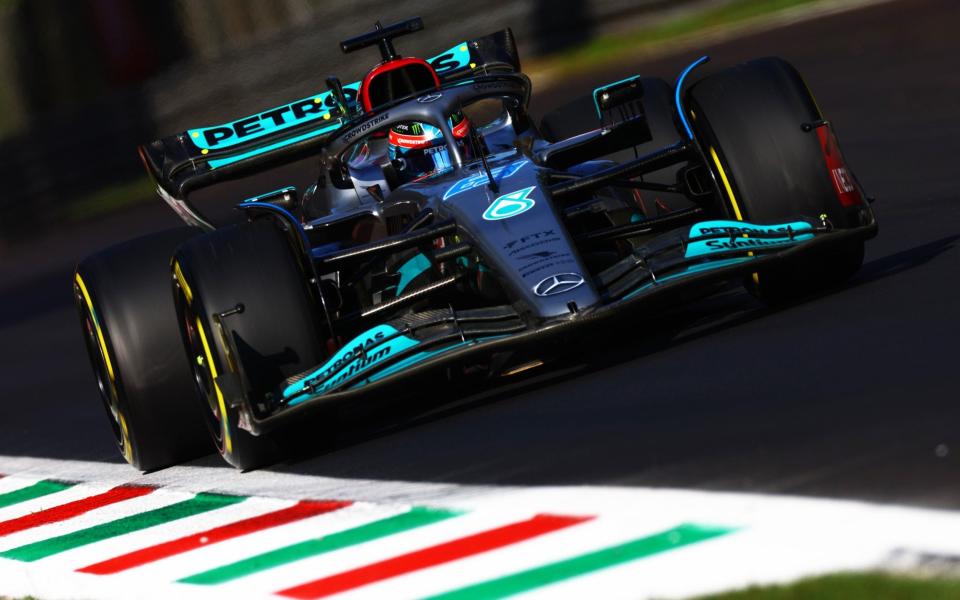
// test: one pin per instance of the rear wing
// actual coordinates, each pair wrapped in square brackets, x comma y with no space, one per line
[201,157]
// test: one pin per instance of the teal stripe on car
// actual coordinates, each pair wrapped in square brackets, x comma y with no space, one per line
[229,160]
[362,353]
[739,237]
[412,269]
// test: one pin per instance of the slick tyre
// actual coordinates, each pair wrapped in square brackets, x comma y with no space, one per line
[771,169]
[129,324]
[245,309]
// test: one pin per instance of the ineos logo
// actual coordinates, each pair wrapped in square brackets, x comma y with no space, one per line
[558,284]
[433,97]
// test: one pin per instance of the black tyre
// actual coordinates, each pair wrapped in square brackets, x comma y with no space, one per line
[253,270]
[771,169]
[130,328]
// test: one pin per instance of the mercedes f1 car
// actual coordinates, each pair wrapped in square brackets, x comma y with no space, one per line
[449,233]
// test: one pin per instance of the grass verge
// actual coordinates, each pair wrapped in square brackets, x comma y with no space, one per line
[852,586]
[614,48]
[108,199]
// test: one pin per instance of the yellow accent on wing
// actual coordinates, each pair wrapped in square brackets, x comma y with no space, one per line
[96,325]
[227,442]
[726,184]
[183,282]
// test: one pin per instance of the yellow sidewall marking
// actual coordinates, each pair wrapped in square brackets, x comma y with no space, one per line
[227,442]
[96,324]
[733,201]
[183,282]
[124,430]
[726,184]
[127,448]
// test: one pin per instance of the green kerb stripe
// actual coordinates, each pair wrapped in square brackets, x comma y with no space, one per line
[40,488]
[587,563]
[415,517]
[200,503]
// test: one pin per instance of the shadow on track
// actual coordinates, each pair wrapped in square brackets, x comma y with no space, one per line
[669,412]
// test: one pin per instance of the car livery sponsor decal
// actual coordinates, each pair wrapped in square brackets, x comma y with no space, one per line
[364,127]
[302,111]
[305,110]
[510,205]
[480,179]
[742,236]
[843,181]
[363,352]
[558,284]
[531,240]
[454,59]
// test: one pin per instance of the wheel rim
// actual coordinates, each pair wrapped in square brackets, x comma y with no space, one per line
[106,377]
[200,359]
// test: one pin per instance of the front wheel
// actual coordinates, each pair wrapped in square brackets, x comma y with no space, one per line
[775,159]
[245,309]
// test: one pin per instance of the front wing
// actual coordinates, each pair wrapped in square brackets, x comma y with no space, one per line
[654,276]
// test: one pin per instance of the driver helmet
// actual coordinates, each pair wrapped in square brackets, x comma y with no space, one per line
[418,149]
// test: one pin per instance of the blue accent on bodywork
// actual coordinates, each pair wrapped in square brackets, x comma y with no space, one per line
[679,89]
[510,205]
[738,233]
[480,179]
[596,102]
[360,354]
[411,269]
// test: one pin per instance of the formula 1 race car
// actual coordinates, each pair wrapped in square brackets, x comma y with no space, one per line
[447,234]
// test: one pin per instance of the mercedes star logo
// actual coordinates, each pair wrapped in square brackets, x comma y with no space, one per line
[432,97]
[558,284]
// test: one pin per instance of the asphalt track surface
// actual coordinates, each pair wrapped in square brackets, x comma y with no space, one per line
[850,394]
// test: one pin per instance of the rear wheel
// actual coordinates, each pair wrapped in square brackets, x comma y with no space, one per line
[758,124]
[130,329]
[245,309]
